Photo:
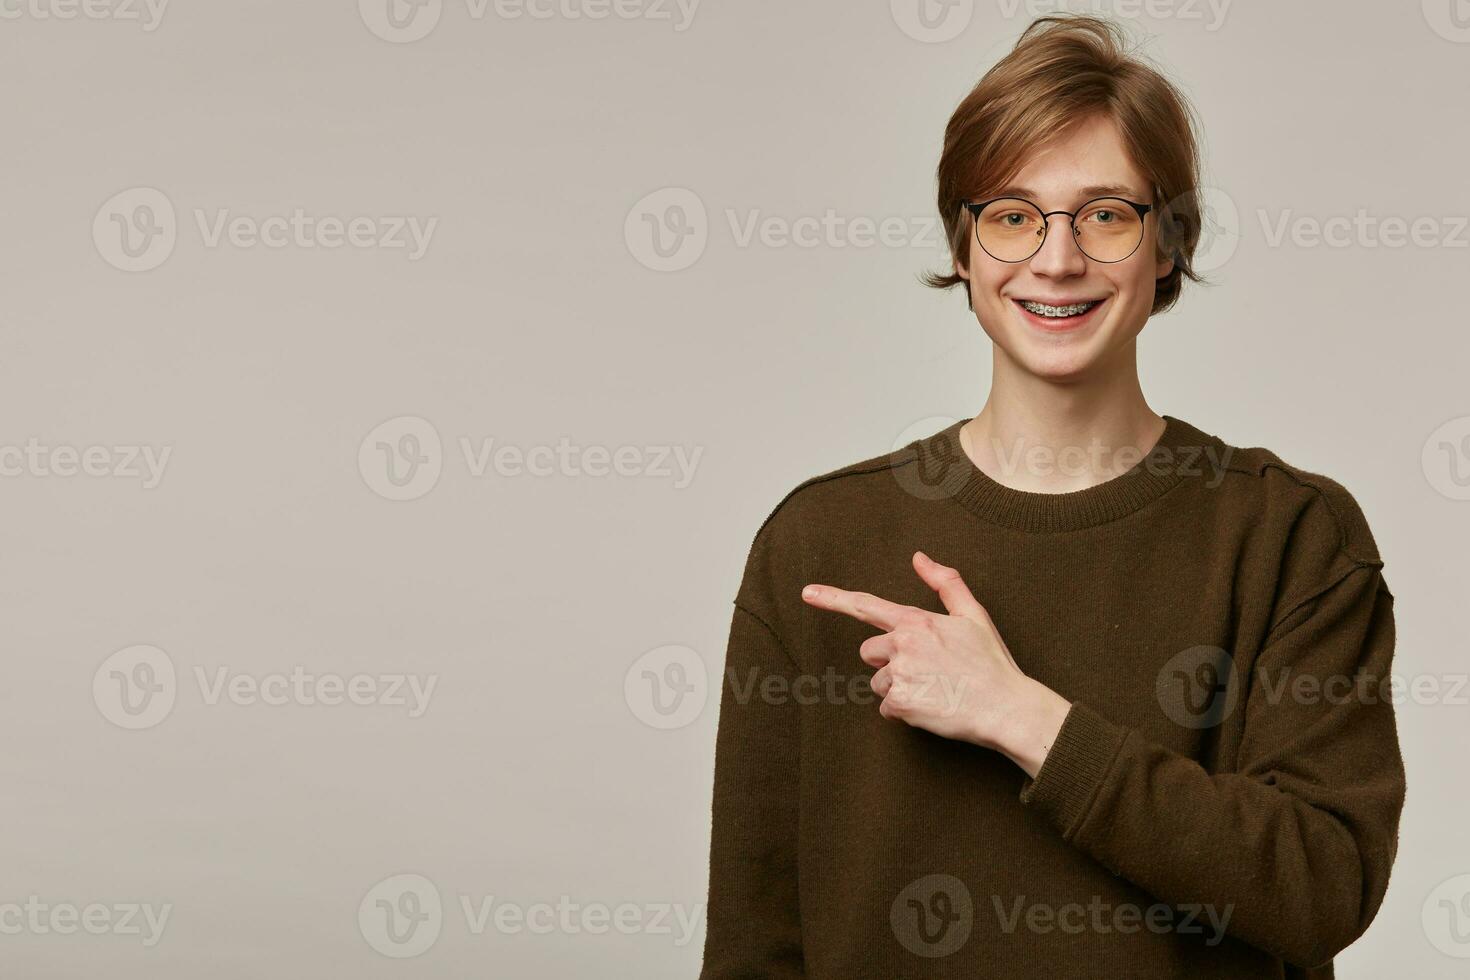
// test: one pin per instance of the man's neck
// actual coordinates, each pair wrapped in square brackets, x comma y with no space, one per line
[1043,437]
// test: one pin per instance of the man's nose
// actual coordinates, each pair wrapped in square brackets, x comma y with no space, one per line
[1059,254]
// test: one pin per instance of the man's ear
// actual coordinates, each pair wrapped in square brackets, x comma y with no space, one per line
[1164,267]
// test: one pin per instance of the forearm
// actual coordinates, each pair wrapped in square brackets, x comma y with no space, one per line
[1289,876]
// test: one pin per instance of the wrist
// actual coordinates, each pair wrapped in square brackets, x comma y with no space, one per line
[1031,729]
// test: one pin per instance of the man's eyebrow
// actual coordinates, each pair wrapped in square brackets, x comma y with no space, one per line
[1084,193]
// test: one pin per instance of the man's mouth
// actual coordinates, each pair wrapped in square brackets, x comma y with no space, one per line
[1058,312]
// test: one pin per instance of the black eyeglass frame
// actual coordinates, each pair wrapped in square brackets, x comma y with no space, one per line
[975,207]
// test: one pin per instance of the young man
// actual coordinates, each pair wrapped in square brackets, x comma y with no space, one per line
[1070,688]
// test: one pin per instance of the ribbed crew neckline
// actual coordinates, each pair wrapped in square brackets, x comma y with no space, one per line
[1178,453]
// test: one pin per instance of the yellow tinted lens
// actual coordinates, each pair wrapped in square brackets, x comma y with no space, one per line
[1009,229]
[1108,230]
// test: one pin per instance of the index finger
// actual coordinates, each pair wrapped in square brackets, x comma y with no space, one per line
[860,605]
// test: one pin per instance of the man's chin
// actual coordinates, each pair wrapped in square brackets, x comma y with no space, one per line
[1060,363]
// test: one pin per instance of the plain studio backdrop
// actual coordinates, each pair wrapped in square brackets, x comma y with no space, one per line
[391,394]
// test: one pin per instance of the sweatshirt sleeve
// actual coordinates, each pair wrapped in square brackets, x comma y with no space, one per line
[753,921]
[1297,843]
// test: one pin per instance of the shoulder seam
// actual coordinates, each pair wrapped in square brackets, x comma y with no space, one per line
[774,635]
[1357,566]
[854,469]
[1297,475]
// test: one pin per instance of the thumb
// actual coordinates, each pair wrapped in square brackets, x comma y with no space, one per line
[953,591]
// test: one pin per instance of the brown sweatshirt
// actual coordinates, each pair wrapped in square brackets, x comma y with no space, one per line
[1222,800]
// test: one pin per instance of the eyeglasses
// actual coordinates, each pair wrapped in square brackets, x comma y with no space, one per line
[1012,229]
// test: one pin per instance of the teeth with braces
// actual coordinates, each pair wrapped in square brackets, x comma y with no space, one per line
[1041,309]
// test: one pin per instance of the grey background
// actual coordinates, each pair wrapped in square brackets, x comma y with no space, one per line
[533,316]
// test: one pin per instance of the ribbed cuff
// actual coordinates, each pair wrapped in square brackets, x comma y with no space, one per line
[1074,770]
